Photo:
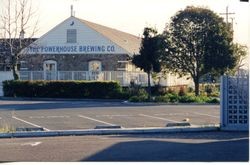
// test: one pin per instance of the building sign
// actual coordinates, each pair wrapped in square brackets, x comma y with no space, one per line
[72,49]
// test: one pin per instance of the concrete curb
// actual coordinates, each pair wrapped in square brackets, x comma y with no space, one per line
[124,102]
[109,131]
[57,99]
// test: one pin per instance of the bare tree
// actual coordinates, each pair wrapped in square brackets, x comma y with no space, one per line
[17,19]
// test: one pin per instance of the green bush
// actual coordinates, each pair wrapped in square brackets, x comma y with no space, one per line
[63,89]
[164,98]
[213,100]
[173,97]
[142,98]
[182,91]
[187,99]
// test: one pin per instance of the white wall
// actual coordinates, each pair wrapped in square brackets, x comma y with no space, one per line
[4,76]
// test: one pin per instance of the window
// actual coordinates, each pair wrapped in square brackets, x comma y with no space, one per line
[95,66]
[50,65]
[71,35]
[23,65]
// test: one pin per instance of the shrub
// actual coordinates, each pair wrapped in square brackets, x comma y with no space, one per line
[62,89]
[215,94]
[181,91]
[187,99]
[136,90]
[208,89]
[213,100]
[190,90]
[173,97]
[170,90]
[142,98]
[165,99]
[158,90]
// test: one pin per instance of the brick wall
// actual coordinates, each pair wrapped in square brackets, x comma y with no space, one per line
[77,62]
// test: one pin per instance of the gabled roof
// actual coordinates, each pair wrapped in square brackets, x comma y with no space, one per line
[89,34]
[127,41]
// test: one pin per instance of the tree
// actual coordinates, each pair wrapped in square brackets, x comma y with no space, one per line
[197,41]
[16,19]
[240,52]
[150,52]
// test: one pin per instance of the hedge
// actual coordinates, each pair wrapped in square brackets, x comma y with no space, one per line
[62,89]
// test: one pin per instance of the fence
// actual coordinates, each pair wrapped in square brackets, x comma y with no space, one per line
[4,76]
[235,103]
[124,78]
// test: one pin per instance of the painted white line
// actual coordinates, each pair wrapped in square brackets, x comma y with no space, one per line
[170,114]
[47,117]
[86,117]
[30,123]
[159,118]
[31,144]
[114,115]
[203,114]
[58,116]
[36,117]
[0,118]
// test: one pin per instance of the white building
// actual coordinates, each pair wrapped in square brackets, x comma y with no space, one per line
[77,49]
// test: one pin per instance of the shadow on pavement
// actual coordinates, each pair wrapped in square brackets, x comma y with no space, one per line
[56,105]
[218,135]
[152,150]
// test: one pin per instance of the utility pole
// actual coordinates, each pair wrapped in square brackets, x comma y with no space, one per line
[227,14]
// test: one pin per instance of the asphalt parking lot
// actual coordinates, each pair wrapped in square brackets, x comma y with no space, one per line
[73,115]
[197,146]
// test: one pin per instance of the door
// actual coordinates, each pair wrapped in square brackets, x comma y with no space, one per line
[50,70]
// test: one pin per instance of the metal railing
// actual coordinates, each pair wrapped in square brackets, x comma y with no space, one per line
[123,77]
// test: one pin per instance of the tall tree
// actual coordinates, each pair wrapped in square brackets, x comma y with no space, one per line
[240,52]
[150,52]
[198,42]
[17,19]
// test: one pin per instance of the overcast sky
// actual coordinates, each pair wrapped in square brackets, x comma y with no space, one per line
[133,15]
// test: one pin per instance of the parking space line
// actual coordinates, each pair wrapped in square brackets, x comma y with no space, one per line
[46,129]
[203,114]
[159,118]
[58,116]
[170,114]
[86,117]
[114,115]
[47,117]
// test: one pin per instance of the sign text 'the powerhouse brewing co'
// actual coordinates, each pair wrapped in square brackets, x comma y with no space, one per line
[72,49]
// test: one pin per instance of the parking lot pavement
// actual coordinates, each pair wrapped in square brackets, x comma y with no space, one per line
[181,147]
[68,115]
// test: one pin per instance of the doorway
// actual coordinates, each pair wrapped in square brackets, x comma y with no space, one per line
[50,70]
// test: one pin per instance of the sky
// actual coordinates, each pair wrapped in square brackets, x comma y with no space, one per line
[133,15]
